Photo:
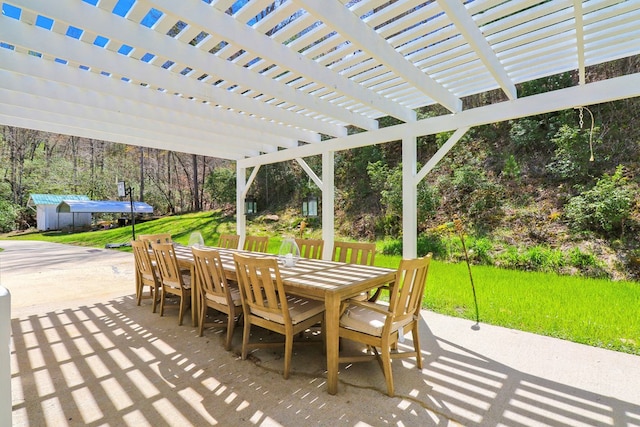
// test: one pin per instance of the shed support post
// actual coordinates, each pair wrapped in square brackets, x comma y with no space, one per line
[409,198]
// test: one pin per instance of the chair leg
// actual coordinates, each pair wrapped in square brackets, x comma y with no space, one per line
[416,345]
[231,323]
[155,291]
[162,299]
[245,337]
[203,312]
[139,290]
[386,368]
[288,350]
[183,308]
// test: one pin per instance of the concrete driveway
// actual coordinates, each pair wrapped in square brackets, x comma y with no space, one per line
[82,353]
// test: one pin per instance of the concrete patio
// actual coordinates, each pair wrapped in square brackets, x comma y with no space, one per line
[83,353]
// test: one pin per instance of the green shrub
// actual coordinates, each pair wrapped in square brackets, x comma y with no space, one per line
[426,243]
[511,168]
[392,247]
[603,208]
[9,213]
[388,182]
[473,194]
[480,250]
[535,258]
[431,243]
[580,259]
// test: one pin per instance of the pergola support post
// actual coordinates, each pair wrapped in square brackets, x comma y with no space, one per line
[409,197]
[241,218]
[410,180]
[328,202]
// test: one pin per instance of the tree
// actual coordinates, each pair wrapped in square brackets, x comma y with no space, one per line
[221,185]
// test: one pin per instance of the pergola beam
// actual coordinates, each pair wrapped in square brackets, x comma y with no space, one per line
[593,93]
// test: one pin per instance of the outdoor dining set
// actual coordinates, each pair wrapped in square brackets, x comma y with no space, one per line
[290,293]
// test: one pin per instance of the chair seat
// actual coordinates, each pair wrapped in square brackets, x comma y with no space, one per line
[300,309]
[235,297]
[367,321]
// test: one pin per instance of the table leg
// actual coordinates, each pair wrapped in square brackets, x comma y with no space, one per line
[332,320]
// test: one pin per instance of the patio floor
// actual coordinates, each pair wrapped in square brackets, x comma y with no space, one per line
[83,353]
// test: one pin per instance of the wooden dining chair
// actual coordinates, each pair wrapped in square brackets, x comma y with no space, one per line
[354,252]
[228,241]
[146,272]
[256,243]
[215,291]
[310,248]
[381,326]
[156,238]
[361,253]
[174,280]
[266,304]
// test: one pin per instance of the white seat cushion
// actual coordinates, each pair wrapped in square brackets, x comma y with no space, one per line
[235,297]
[368,321]
[300,309]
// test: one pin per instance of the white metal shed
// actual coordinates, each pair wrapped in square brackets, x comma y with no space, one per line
[48,217]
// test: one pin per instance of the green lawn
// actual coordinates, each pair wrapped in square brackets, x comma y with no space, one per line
[595,312]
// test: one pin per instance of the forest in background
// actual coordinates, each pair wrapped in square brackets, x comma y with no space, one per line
[527,190]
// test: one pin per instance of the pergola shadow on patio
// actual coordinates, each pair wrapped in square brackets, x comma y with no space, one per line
[107,361]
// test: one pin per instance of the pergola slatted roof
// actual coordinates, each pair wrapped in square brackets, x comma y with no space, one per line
[236,79]
[262,81]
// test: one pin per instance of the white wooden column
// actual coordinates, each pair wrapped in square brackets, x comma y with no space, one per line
[409,198]
[242,187]
[328,203]
[241,218]
[410,180]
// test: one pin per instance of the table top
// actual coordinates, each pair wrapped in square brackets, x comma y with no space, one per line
[310,277]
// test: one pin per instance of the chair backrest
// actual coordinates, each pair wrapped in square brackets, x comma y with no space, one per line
[256,243]
[228,241]
[142,259]
[167,264]
[210,274]
[261,288]
[408,289]
[156,238]
[354,252]
[310,248]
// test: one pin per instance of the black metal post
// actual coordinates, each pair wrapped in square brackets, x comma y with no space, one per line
[129,191]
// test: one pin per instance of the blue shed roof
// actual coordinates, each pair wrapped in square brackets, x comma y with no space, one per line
[55,199]
[107,206]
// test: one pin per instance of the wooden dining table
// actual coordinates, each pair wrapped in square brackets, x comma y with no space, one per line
[328,281]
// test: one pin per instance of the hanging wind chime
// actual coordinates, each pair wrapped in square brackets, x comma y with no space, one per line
[592,158]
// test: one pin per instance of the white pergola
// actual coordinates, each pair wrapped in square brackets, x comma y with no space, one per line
[264,81]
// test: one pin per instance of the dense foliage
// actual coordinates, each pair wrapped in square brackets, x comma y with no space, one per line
[530,193]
